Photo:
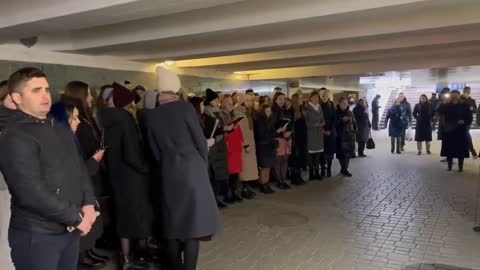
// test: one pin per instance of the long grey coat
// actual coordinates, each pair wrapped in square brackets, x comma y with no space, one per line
[184,196]
[315,121]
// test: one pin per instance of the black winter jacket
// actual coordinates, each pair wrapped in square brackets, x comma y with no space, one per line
[49,184]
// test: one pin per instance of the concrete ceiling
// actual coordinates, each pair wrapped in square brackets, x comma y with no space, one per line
[267,39]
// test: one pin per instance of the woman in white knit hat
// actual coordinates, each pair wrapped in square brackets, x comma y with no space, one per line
[185,201]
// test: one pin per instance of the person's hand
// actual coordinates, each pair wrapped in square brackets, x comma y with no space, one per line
[461,122]
[99,155]
[230,127]
[210,142]
[345,118]
[89,213]
[280,130]
[327,133]
[287,134]
[84,227]
[247,150]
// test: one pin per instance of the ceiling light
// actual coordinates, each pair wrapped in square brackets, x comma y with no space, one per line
[169,62]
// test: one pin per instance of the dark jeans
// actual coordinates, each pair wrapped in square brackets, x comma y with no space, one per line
[402,138]
[375,120]
[396,140]
[37,251]
[361,148]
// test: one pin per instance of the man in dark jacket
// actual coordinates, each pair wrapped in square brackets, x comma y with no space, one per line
[433,102]
[52,200]
[472,106]
[407,108]
[375,112]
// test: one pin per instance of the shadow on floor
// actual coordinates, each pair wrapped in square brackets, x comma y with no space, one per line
[434,266]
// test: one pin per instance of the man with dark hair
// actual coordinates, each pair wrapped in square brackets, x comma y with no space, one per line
[52,199]
[375,112]
[472,106]
[433,102]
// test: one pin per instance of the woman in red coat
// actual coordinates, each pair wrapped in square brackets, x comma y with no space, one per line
[234,149]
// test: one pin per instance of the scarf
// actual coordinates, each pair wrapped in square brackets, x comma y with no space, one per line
[315,107]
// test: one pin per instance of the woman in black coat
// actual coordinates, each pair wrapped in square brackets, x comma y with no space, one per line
[67,114]
[423,114]
[185,198]
[127,172]
[298,158]
[217,154]
[346,132]
[88,136]
[279,119]
[329,133]
[363,123]
[456,117]
[266,143]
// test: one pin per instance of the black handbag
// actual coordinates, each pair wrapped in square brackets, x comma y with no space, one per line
[370,142]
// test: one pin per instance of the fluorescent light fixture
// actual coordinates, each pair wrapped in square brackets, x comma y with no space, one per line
[169,62]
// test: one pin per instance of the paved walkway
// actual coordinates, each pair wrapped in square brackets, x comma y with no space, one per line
[397,212]
[403,212]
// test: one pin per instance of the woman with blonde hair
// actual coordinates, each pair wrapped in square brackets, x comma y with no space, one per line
[246,108]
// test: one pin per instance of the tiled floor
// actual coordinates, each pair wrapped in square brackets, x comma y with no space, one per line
[397,212]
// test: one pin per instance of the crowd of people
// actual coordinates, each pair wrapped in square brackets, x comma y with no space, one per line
[145,172]
[454,113]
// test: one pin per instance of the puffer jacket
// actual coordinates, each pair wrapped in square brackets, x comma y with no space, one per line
[48,184]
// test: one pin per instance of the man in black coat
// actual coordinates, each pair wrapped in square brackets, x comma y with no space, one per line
[472,106]
[375,112]
[433,102]
[52,200]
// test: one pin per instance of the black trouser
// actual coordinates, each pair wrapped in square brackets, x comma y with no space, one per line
[233,185]
[37,251]
[470,144]
[182,255]
[375,120]
[402,138]
[361,147]
[450,163]
[434,122]
[394,140]
[344,163]
[314,163]
[326,163]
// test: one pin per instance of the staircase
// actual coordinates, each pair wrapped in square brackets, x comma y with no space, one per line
[413,96]
[392,96]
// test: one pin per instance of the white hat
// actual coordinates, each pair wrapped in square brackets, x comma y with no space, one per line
[167,81]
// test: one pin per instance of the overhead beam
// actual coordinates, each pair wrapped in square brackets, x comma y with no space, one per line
[443,36]
[393,64]
[235,16]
